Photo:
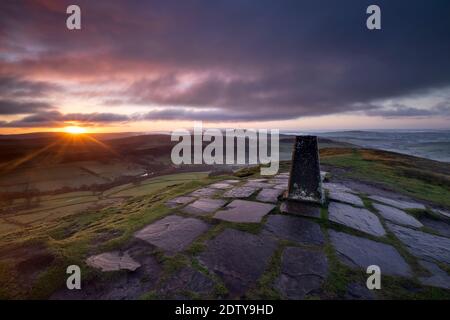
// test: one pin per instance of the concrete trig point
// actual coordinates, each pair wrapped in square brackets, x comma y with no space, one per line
[305,183]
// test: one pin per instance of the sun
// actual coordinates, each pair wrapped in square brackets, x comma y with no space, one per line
[74,130]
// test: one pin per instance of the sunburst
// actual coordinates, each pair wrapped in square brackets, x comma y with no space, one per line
[74,130]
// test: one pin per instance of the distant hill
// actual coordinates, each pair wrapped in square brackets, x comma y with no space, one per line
[63,148]
[430,144]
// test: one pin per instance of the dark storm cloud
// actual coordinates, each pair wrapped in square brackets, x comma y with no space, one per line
[17,87]
[10,107]
[95,117]
[252,59]
[401,111]
[202,115]
[264,99]
[20,96]
[57,119]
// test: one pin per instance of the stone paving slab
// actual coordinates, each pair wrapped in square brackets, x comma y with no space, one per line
[442,213]
[230,181]
[258,185]
[336,187]
[244,211]
[356,218]
[294,229]
[269,195]
[179,201]
[300,209]
[279,181]
[423,245]
[172,233]
[204,206]
[400,204]
[205,192]
[357,252]
[240,192]
[440,227]
[439,278]
[345,197]
[187,279]
[282,175]
[239,258]
[359,291]
[221,185]
[397,216]
[302,272]
[281,186]
[124,285]
[113,261]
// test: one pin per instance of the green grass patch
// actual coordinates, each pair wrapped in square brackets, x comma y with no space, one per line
[338,276]
[247,171]
[265,287]
[420,178]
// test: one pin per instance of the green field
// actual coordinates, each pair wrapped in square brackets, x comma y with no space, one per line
[72,175]
[53,207]
[151,184]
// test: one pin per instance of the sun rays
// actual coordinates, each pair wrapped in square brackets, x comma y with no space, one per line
[74,130]
[72,138]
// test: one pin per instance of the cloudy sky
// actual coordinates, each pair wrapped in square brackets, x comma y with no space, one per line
[159,65]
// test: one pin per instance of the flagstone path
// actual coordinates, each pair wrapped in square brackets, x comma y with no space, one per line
[233,234]
[172,233]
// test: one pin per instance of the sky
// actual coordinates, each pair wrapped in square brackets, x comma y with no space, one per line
[144,65]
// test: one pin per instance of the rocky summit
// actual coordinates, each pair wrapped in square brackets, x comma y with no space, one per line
[240,238]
